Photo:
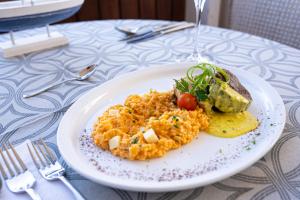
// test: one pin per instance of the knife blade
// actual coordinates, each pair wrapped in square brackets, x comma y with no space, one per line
[158,29]
[158,33]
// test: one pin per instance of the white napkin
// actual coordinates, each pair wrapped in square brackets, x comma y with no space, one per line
[46,189]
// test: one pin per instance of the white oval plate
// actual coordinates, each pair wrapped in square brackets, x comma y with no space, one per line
[205,160]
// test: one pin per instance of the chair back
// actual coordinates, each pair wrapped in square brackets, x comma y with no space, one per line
[277,20]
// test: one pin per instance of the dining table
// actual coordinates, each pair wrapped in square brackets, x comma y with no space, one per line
[275,176]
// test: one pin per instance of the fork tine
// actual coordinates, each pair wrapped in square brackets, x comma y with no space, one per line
[38,155]
[7,165]
[3,172]
[18,157]
[44,155]
[11,159]
[33,158]
[52,157]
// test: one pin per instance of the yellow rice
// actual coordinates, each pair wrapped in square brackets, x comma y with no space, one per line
[173,126]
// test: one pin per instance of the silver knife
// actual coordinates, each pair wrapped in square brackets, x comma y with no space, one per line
[160,32]
[158,29]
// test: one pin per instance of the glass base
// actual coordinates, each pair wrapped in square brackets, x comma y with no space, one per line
[194,58]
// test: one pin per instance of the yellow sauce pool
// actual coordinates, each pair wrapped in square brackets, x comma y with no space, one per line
[229,125]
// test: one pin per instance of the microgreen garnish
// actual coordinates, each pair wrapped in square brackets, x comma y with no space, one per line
[201,95]
[175,118]
[182,85]
[135,140]
[198,84]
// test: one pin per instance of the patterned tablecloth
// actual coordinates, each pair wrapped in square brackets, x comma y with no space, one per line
[275,176]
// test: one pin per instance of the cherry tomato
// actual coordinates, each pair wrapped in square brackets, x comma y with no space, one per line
[187,101]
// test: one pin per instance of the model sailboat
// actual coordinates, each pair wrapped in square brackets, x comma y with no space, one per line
[27,14]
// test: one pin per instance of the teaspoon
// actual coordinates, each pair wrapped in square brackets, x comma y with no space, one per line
[82,75]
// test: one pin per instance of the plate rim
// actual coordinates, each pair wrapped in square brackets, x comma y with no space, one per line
[164,186]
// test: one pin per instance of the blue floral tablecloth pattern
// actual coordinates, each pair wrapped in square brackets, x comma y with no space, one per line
[275,176]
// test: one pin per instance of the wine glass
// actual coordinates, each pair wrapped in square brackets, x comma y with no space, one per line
[196,55]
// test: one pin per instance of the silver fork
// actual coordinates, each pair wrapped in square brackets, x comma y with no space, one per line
[49,167]
[18,180]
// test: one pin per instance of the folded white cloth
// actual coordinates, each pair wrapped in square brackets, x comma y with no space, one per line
[46,189]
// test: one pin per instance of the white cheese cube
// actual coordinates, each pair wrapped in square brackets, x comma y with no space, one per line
[150,136]
[114,142]
[114,112]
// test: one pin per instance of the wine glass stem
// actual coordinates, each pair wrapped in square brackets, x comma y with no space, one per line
[12,38]
[197,28]
[48,30]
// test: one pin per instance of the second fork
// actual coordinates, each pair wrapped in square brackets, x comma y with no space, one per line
[49,167]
